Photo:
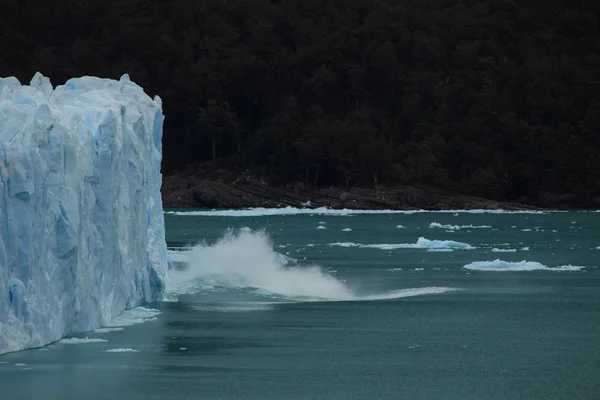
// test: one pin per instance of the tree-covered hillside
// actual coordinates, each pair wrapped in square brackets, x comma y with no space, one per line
[496,98]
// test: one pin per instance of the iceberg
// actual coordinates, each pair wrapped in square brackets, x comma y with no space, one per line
[82,236]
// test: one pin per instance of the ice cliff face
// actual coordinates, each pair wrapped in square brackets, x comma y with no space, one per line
[81,221]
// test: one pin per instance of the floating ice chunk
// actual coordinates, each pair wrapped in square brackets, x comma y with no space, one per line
[499,265]
[82,340]
[400,226]
[286,260]
[81,219]
[346,244]
[497,250]
[346,230]
[457,227]
[440,250]
[526,248]
[441,244]
[321,227]
[122,350]
[422,243]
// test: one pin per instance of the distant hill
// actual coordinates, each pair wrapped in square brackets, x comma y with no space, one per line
[493,98]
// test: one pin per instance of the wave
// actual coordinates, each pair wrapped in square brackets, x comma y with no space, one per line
[421,243]
[260,212]
[499,266]
[246,261]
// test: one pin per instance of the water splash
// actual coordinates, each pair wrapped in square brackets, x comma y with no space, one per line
[247,260]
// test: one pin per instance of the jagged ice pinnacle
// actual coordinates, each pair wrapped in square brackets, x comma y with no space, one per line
[82,234]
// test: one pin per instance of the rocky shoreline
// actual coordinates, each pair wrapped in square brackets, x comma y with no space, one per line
[226,191]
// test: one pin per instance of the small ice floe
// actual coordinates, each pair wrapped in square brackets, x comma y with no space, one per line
[500,265]
[122,350]
[421,243]
[497,250]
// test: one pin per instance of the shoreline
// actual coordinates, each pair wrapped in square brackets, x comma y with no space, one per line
[251,192]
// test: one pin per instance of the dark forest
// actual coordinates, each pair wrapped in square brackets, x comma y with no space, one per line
[493,98]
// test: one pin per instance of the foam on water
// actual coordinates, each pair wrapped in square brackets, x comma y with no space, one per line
[397,294]
[134,316]
[84,340]
[237,307]
[108,330]
[247,260]
[499,266]
[260,212]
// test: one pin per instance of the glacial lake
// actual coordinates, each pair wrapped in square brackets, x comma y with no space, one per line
[297,304]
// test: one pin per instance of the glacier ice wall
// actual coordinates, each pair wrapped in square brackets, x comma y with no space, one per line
[82,234]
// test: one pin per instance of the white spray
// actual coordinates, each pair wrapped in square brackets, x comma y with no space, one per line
[247,259]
